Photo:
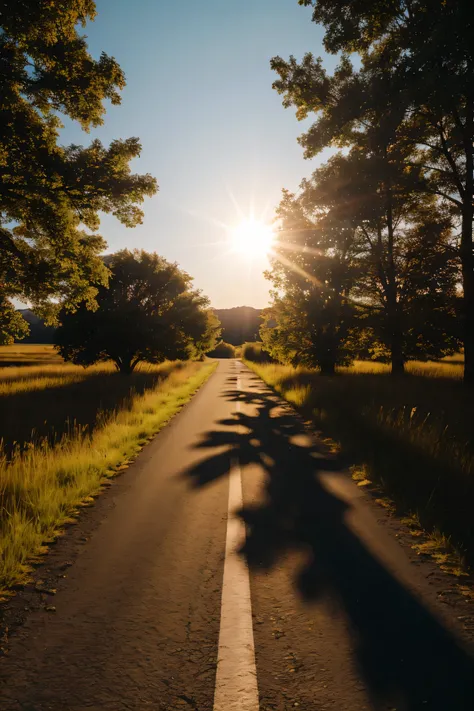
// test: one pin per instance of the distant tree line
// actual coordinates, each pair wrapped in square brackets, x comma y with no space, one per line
[375,251]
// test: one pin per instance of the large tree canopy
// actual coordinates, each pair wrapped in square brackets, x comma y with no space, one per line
[149,312]
[345,285]
[425,49]
[51,195]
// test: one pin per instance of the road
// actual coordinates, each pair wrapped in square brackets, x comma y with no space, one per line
[233,537]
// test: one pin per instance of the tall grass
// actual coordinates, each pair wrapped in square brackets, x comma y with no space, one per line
[38,402]
[16,379]
[29,354]
[446,368]
[413,435]
[41,486]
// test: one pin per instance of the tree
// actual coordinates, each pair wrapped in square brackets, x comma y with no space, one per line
[148,313]
[12,324]
[303,328]
[378,193]
[427,46]
[405,277]
[50,195]
[343,275]
[311,318]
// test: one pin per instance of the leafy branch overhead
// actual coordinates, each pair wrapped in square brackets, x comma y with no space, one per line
[50,193]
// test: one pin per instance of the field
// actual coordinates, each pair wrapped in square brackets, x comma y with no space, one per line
[64,431]
[451,367]
[412,436]
[29,354]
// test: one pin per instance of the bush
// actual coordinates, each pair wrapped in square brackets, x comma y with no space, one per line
[222,350]
[256,353]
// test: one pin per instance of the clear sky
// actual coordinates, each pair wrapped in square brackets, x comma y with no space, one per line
[214,133]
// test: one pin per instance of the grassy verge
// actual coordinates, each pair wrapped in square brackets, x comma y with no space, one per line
[42,486]
[412,436]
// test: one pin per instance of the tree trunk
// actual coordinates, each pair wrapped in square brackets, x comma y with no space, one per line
[396,340]
[126,366]
[467,261]
[396,356]
[328,367]
[468,293]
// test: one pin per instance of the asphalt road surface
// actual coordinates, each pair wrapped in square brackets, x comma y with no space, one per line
[235,567]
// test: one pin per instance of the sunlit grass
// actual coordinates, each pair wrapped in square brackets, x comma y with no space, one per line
[42,486]
[412,436]
[28,378]
[29,353]
[25,378]
[452,368]
[48,402]
[39,367]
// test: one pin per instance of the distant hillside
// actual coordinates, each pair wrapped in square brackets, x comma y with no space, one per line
[240,324]
[39,333]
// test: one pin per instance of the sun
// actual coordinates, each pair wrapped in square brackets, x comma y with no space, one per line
[252,238]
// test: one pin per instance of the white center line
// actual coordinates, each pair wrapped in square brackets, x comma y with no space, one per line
[236,678]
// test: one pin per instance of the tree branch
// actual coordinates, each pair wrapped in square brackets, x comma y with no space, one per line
[458,203]
[450,159]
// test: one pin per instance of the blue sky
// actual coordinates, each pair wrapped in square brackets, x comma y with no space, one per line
[199,96]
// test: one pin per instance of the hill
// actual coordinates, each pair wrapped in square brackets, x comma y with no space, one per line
[39,333]
[240,324]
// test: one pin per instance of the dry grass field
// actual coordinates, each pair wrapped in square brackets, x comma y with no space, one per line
[64,430]
[20,354]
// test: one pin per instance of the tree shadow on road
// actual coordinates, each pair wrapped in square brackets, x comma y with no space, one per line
[408,659]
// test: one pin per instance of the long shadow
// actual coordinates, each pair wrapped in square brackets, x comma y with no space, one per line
[408,660]
[417,474]
[51,413]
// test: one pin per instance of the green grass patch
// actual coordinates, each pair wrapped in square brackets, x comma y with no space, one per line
[411,436]
[42,486]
